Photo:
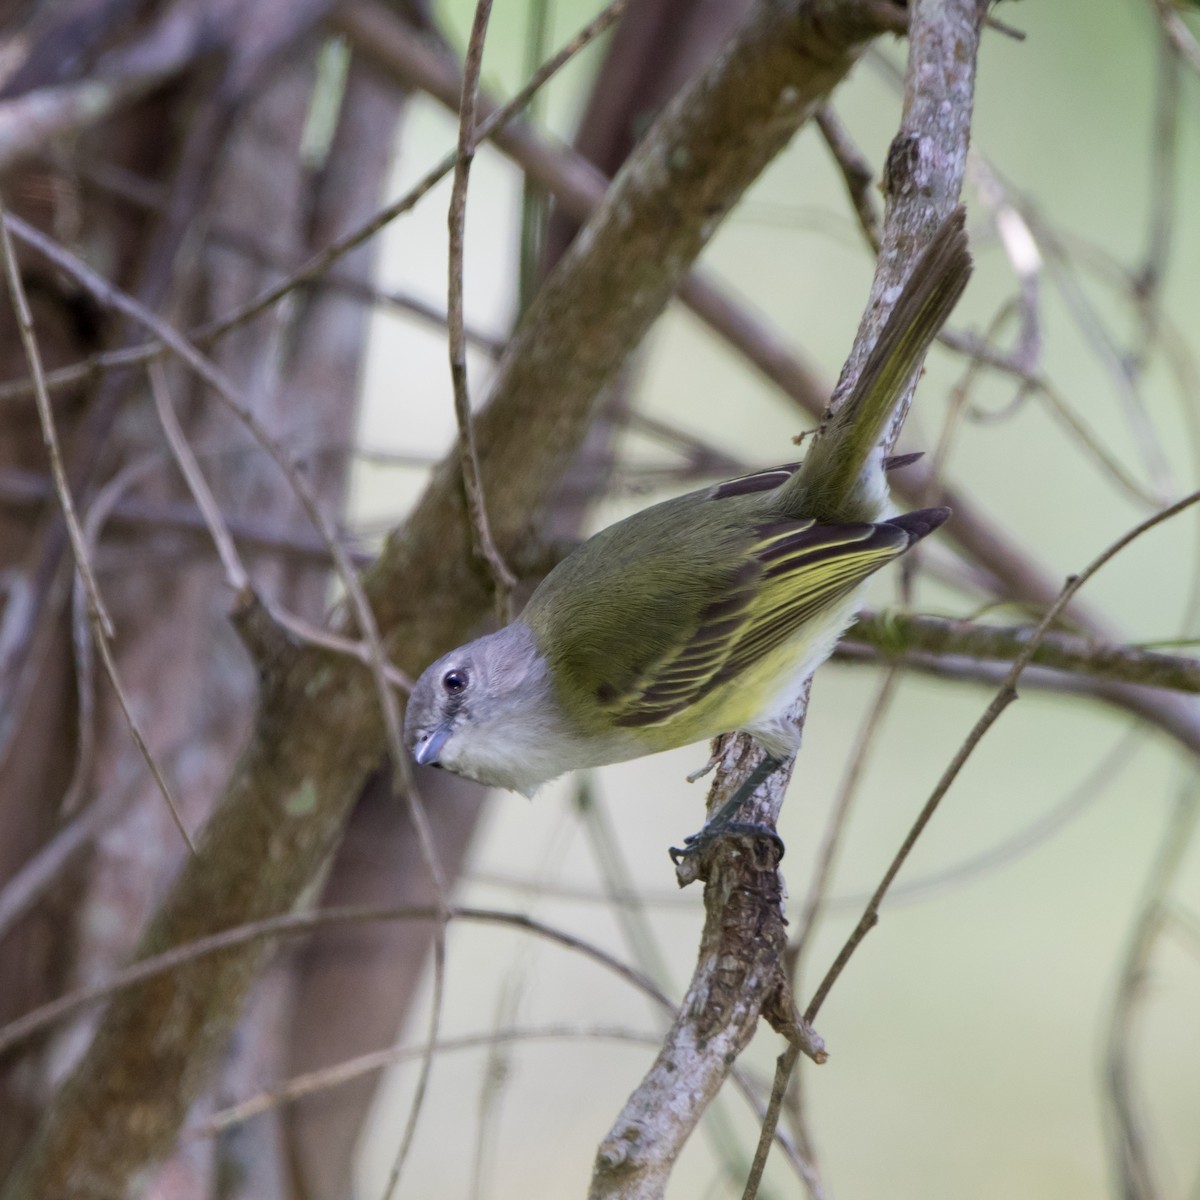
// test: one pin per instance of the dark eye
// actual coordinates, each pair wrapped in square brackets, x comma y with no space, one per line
[455,681]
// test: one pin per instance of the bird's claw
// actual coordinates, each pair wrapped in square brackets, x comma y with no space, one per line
[699,843]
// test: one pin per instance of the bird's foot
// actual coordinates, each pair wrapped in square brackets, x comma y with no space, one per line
[696,844]
[723,825]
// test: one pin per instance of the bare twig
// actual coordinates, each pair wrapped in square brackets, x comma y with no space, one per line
[1000,702]
[313,1082]
[235,571]
[900,633]
[823,871]
[31,489]
[101,622]
[316,267]
[58,471]
[48,1015]
[326,640]
[485,545]
[784,1067]
[1133,1166]
[856,172]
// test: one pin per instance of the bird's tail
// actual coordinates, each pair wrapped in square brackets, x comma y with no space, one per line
[836,480]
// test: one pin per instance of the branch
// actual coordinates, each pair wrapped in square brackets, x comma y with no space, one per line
[468,454]
[33,119]
[897,634]
[102,625]
[318,731]
[20,489]
[922,182]
[577,186]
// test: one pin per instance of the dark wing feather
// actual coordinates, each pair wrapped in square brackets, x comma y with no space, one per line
[756,481]
[791,572]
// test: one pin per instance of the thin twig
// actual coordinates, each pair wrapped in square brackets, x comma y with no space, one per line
[58,471]
[31,489]
[97,515]
[896,634]
[503,579]
[856,172]
[1133,1167]
[823,870]
[290,925]
[101,622]
[312,270]
[235,571]
[1006,695]
[326,640]
[313,1082]
[784,1066]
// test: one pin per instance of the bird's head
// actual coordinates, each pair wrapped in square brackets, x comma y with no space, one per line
[482,710]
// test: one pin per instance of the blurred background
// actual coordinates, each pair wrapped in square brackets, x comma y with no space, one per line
[1023,1021]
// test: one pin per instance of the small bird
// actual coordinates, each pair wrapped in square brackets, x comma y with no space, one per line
[701,615]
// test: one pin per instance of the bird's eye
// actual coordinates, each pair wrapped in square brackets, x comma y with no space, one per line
[455,681]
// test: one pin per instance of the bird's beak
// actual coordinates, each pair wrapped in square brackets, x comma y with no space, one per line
[430,746]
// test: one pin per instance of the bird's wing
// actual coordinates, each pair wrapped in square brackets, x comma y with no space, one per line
[791,572]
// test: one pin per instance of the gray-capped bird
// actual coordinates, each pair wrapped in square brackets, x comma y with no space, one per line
[701,615]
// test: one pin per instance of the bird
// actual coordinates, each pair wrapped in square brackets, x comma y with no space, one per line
[703,614]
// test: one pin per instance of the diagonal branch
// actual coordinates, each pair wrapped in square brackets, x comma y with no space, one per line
[899,634]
